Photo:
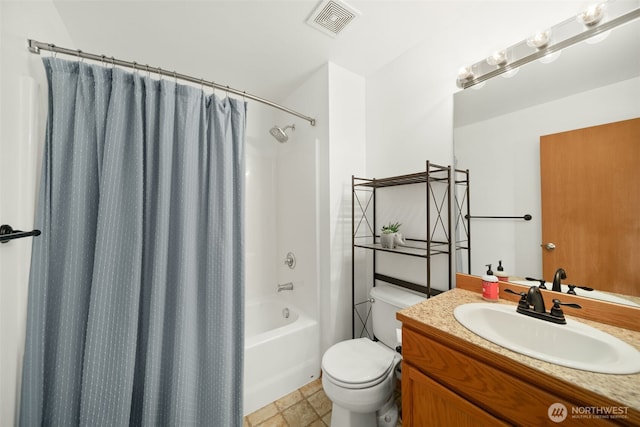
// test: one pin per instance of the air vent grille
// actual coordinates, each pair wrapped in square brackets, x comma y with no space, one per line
[332,16]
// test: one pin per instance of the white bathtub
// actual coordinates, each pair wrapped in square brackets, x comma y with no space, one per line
[280,354]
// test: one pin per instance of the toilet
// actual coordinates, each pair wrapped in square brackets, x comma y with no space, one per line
[359,375]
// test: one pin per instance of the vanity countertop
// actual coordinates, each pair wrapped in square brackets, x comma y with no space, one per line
[437,312]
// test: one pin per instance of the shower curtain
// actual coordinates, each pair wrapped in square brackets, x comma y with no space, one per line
[136,290]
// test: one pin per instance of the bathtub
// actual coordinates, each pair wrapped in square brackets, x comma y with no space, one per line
[281,351]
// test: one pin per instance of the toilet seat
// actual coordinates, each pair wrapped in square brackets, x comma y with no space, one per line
[358,363]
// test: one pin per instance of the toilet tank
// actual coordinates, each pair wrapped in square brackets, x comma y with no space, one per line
[387,301]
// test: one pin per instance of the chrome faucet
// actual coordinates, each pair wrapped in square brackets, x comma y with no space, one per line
[285,287]
[557,279]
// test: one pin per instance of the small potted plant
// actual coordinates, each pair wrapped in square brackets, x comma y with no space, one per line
[388,236]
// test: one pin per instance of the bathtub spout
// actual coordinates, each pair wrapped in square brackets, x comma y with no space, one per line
[285,287]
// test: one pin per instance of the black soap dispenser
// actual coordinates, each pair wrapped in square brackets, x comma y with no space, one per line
[490,289]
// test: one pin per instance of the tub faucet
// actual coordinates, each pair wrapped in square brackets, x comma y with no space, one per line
[285,287]
[557,279]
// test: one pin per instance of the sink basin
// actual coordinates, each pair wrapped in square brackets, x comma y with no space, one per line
[595,294]
[574,345]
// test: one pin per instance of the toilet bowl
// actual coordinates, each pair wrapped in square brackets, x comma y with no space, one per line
[359,378]
[359,375]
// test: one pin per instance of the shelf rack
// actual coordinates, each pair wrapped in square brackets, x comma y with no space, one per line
[438,220]
[462,214]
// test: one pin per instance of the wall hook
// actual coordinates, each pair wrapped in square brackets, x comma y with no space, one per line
[8,233]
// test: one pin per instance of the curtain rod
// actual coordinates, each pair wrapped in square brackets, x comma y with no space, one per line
[36,47]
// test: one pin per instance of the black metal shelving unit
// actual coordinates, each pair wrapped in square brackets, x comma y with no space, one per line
[462,214]
[437,181]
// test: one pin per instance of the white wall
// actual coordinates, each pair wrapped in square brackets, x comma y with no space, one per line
[347,157]
[315,216]
[261,207]
[296,186]
[507,148]
[410,120]
[22,120]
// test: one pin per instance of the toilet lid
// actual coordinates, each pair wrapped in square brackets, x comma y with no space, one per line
[358,363]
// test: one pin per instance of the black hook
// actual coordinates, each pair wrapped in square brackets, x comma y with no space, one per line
[8,233]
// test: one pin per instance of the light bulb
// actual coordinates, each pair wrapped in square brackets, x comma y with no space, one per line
[465,74]
[539,40]
[499,58]
[593,15]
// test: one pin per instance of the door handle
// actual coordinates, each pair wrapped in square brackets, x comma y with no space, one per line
[548,246]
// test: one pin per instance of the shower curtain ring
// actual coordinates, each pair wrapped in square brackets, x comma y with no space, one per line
[78,52]
[159,72]
[113,62]
[135,70]
[175,76]
[104,61]
[148,73]
[52,47]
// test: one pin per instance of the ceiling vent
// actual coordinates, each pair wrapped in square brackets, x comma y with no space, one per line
[332,16]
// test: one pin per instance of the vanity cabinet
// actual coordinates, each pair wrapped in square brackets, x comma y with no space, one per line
[427,402]
[448,381]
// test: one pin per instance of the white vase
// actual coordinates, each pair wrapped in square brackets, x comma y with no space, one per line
[399,240]
[388,240]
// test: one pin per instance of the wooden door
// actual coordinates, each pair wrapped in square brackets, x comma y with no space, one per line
[427,403]
[590,186]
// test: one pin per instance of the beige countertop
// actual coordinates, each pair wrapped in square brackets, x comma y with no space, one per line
[437,312]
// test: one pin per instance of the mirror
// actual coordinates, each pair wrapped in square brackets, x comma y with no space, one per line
[497,130]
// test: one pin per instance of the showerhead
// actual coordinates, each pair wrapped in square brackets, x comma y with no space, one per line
[280,134]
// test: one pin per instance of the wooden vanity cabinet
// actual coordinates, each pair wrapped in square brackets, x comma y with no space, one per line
[449,381]
[428,403]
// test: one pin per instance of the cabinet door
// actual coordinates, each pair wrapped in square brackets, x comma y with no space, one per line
[427,403]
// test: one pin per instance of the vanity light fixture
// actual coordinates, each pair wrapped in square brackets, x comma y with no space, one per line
[591,23]
[510,73]
[548,59]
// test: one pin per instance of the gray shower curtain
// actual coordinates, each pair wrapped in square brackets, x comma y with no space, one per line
[136,290]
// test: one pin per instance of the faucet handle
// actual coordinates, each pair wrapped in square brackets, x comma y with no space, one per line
[557,311]
[557,302]
[542,282]
[290,260]
[523,303]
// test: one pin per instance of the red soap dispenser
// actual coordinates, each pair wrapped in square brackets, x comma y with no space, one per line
[490,289]
[501,275]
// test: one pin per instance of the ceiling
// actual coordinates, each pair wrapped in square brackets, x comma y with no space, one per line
[266,48]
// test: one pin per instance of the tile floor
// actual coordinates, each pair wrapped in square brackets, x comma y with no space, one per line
[306,407]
